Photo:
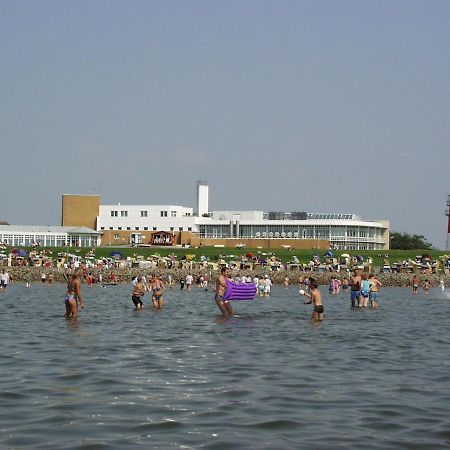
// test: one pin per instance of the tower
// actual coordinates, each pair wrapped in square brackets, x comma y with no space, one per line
[447,213]
[202,198]
[80,210]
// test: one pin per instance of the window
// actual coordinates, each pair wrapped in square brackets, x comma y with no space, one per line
[145,228]
[116,236]
[123,213]
[128,228]
[144,213]
[102,228]
[111,228]
[114,213]
[171,228]
[136,228]
[180,228]
[154,228]
[189,228]
[173,213]
[163,213]
[119,228]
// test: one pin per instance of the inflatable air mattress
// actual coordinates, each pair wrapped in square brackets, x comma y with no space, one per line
[239,291]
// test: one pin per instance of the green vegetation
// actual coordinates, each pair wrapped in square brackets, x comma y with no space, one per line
[405,241]
[214,253]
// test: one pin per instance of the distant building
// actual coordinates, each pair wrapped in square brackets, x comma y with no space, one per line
[136,224]
[48,236]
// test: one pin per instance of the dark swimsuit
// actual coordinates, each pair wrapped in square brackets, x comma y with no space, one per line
[136,300]
[318,309]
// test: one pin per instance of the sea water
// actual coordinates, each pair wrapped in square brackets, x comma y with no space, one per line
[183,377]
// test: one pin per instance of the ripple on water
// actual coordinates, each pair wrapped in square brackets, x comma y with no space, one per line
[185,378]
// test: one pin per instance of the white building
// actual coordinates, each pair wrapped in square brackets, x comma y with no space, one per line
[48,236]
[344,231]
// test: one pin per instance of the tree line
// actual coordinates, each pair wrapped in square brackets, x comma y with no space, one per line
[405,241]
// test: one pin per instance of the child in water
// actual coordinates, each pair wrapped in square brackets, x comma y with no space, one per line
[138,292]
[316,298]
[375,284]
[365,292]
[426,286]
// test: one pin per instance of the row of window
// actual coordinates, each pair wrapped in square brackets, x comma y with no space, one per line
[304,235]
[314,216]
[143,228]
[48,240]
[145,214]
[312,232]
[116,213]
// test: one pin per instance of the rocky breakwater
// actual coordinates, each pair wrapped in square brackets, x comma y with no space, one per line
[125,275]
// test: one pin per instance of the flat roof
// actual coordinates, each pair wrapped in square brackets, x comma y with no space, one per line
[46,229]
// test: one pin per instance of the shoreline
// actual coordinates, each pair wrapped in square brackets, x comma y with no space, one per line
[124,276]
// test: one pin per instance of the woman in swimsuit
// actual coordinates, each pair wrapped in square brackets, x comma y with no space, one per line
[73,296]
[158,288]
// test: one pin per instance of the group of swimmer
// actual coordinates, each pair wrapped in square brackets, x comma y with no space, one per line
[415,283]
[155,285]
[364,289]
[263,285]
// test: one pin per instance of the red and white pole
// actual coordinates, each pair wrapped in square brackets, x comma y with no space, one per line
[447,213]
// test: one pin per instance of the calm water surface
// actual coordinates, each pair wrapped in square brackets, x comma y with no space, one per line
[184,378]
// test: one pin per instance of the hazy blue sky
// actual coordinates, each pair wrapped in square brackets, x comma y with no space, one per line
[318,106]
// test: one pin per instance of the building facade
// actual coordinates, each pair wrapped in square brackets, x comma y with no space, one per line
[49,236]
[135,224]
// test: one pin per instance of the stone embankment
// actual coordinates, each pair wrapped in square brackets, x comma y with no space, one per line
[33,274]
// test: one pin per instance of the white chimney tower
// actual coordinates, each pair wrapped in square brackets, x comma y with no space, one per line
[202,198]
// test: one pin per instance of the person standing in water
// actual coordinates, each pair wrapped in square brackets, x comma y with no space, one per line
[355,288]
[4,280]
[415,284]
[221,285]
[138,292]
[345,284]
[267,285]
[426,286]
[365,291]
[158,288]
[375,285]
[73,297]
[316,298]
[189,280]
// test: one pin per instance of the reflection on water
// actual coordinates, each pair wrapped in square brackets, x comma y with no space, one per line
[185,377]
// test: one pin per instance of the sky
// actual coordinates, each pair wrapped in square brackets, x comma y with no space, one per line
[318,106]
